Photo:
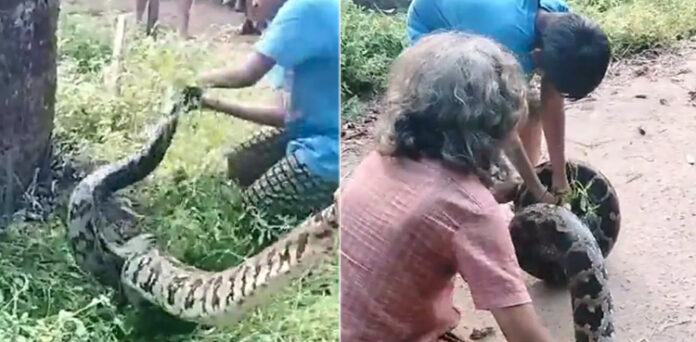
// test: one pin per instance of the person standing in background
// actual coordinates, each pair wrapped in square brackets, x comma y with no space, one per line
[249,26]
[184,16]
[152,6]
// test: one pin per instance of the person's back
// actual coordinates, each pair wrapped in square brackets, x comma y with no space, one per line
[401,267]
[292,168]
[568,51]
[306,52]
[511,23]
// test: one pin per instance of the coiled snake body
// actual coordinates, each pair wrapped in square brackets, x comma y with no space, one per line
[568,246]
[145,273]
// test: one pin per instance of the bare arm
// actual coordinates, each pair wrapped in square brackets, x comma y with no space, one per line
[514,150]
[269,115]
[254,68]
[520,324]
[486,260]
[553,121]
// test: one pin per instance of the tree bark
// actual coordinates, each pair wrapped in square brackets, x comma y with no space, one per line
[27,93]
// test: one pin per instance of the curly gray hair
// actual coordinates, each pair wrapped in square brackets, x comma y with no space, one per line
[454,97]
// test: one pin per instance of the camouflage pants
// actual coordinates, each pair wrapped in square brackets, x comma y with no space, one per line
[275,182]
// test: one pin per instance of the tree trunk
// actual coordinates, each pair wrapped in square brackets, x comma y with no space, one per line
[27,93]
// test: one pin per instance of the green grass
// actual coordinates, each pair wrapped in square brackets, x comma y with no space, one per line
[370,41]
[636,25]
[187,205]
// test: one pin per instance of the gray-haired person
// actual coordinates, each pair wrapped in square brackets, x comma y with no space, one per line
[418,211]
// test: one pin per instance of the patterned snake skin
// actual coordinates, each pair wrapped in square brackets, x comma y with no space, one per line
[221,298]
[144,273]
[569,246]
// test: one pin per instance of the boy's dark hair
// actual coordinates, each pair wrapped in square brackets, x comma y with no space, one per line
[574,55]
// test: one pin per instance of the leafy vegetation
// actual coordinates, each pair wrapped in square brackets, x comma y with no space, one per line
[636,25]
[187,203]
[370,41]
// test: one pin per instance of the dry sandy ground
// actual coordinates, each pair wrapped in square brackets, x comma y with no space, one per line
[206,15]
[652,268]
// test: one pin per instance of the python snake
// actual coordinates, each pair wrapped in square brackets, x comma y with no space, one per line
[569,245]
[142,272]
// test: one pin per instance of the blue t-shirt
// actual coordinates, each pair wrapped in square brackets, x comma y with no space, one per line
[303,40]
[512,23]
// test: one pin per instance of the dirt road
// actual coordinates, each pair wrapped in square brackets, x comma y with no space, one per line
[653,268]
[205,15]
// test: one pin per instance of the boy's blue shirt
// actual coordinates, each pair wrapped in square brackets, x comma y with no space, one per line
[303,40]
[512,23]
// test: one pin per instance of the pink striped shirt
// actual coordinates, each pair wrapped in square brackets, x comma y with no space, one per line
[407,228]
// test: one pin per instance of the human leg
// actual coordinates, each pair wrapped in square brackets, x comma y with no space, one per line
[531,130]
[140,10]
[248,26]
[184,14]
[240,6]
[152,15]
[507,180]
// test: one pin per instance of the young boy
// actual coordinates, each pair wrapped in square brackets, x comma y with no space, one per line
[570,52]
[417,211]
[294,167]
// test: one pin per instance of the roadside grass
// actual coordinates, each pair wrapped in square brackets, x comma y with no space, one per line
[186,203]
[371,40]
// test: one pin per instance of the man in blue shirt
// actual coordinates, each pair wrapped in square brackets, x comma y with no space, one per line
[569,52]
[294,167]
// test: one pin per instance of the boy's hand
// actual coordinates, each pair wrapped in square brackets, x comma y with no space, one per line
[561,189]
[207,100]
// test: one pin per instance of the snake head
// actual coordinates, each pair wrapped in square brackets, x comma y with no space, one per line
[138,244]
[191,98]
[182,99]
